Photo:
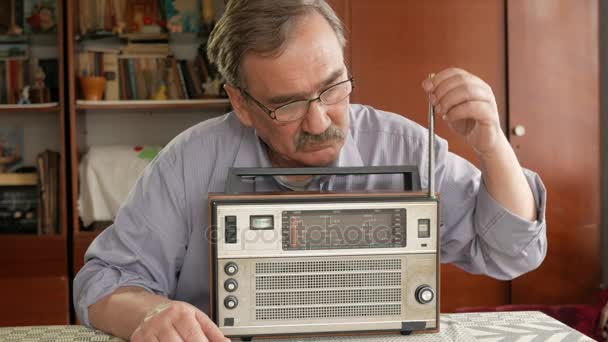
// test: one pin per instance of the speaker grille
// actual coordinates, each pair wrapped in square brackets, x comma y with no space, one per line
[320,281]
[328,296]
[328,312]
[328,266]
[328,289]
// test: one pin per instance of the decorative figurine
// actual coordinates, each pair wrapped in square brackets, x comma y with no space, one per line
[25,96]
[161,94]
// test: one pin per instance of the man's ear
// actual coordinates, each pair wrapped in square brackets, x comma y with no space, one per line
[239,104]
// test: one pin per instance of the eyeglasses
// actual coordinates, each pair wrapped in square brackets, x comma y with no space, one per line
[297,109]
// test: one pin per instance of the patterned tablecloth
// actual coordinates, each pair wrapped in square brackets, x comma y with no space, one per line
[488,326]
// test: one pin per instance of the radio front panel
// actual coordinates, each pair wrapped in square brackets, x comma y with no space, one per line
[324,267]
[305,229]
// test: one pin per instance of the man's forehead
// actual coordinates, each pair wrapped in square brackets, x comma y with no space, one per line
[274,77]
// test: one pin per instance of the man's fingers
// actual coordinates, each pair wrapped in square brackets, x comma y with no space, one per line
[168,334]
[459,95]
[213,333]
[430,85]
[456,81]
[468,110]
[190,330]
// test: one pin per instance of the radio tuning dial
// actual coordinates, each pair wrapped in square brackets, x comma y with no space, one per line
[231,285]
[231,268]
[231,302]
[424,294]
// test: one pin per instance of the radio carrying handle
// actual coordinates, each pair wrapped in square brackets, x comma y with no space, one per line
[411,179]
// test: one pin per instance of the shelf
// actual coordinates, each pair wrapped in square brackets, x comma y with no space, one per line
[169,36]
[36,107]
[17,179]
[152,105]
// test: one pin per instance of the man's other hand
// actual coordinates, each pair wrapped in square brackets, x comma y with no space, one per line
[467,103]
[177,321]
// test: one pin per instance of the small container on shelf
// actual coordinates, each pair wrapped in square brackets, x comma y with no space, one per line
[92,87]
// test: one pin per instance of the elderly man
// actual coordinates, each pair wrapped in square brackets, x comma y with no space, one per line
[145,277]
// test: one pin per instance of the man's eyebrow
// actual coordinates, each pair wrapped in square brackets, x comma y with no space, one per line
[280,99]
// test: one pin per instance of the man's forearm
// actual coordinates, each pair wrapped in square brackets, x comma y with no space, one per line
[121,312]
[505,181]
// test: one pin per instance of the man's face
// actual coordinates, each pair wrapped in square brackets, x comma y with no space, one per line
[311,62]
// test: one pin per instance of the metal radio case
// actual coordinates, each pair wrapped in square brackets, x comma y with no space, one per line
[324,263]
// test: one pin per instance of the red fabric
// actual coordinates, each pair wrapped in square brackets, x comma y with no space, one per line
[582,317]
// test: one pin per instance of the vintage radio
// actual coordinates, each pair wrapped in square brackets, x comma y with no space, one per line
[325,263]
[19,202]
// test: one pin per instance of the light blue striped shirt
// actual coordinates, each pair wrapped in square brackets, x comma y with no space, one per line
[158,238]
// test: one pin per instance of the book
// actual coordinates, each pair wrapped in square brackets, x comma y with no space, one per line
[11,148]
[110,66]
[48,163]
[3,97]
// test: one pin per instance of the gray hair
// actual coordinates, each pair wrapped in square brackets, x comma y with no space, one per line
[262,27]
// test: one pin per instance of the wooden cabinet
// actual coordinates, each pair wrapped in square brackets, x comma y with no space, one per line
[554,94]
[34,278]
[542,60]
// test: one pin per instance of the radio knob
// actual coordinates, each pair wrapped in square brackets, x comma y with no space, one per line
[424,294]
[231,268]
[231,302]
[231,285]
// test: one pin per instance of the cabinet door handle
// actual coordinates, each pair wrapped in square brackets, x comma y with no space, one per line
[519,130]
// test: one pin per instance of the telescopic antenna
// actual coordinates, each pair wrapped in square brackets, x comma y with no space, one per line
[431,147]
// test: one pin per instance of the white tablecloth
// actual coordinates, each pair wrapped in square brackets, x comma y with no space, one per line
[487,326]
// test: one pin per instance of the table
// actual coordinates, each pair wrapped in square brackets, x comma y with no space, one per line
[463,327]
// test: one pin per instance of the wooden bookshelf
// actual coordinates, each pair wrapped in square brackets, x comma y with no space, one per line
[153,105]
[81,110]
[50,107]
[34,279]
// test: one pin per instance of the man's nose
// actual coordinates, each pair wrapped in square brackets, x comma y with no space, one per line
[316,120]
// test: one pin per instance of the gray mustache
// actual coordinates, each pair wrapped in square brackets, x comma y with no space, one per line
[331,133]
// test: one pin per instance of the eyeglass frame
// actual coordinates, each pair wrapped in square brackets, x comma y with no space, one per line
[271,112]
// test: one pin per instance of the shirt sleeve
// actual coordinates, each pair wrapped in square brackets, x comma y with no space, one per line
[480,235]
[146,244]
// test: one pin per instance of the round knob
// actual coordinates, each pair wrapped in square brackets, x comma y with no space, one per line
[519,130]
[231,285]
[424,294]
[231,268]
[230,302]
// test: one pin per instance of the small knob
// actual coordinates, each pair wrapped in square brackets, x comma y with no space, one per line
[424,294]
[519,130]
[231,268]
[231,285]
[231,302]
